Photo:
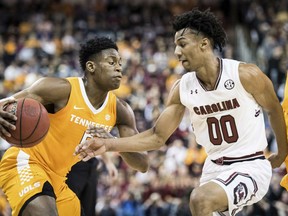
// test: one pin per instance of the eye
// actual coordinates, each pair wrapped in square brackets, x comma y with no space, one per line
[111,63]
[182,45]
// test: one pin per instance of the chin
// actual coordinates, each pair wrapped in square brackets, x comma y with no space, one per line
[186,66]
[114,87]
[187,69]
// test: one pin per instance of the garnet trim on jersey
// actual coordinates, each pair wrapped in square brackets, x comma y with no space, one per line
[231,160]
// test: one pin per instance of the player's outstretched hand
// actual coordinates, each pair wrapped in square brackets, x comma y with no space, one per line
[90,148]
[6,118]
[98,132]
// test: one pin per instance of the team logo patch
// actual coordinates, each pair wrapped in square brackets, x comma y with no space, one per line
[194,91]
[240,192]
[238,184]
[229,84]
[257,112]
[107,117]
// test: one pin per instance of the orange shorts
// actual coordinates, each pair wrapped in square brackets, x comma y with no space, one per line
[22,179]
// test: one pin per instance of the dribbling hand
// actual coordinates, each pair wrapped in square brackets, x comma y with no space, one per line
[5,119]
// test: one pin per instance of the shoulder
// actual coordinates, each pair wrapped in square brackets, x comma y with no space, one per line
[48,82]
[252,77]
[51,89]
[174,94]
[122,105]
[176,85]
[124,111]
[250,70]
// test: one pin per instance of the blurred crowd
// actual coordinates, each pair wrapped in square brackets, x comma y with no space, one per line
[41,38]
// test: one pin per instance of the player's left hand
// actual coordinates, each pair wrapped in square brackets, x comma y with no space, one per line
[275,160]
[112,170]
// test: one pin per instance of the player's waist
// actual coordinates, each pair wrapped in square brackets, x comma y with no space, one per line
[230,160]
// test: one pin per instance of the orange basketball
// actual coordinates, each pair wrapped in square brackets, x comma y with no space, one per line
[32,122]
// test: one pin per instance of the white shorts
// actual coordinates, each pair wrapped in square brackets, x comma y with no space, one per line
[245,182]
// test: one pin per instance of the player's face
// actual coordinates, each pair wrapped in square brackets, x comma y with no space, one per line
[109,73]
[188,48]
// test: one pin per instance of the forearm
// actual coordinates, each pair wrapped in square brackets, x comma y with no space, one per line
[20,94]
[278,125]
[137,161]
[145,141]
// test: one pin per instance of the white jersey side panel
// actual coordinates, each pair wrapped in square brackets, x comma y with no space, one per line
[227,121]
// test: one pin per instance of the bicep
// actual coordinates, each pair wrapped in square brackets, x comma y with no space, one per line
[172,115]
[47,90]
[267,98]
[169,120]
[126,123]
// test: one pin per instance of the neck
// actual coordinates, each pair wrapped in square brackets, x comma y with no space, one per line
[208,75]
[95,95]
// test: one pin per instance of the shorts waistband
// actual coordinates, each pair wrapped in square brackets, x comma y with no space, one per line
[230,160]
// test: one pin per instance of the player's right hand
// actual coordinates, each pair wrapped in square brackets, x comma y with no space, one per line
[98,132]
[90,148]
[6,118]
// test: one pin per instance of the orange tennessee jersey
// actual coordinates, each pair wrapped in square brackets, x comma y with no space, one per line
[284,182]
[67,128]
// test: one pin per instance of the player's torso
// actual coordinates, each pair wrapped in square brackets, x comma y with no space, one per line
[227,121]
[68,126]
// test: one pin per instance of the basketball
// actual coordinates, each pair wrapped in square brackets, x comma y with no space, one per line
[32,122]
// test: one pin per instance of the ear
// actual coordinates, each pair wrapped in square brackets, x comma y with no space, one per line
[90,66]
[204,43]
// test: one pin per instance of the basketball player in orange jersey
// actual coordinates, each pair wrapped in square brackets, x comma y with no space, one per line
[34,178]
[226,99]
[284,181]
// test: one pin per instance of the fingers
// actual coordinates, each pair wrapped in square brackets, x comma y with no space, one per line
[89,149]
[7,119]
[4,102]
[82,147]
[93,130]
[88,156]
[78,149]
[98,132]
[5,126]
[4,132]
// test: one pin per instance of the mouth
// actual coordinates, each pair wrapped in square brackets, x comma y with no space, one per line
[184,61]
[117,77]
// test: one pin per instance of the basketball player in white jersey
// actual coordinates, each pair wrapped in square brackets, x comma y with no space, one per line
[226,100]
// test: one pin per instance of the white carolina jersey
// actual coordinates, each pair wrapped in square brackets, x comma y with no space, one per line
[227,121]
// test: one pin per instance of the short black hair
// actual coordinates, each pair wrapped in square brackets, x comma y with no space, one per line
[204,22]
[92,47]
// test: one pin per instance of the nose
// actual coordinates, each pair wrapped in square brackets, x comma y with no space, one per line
[177,51]
[118,67]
